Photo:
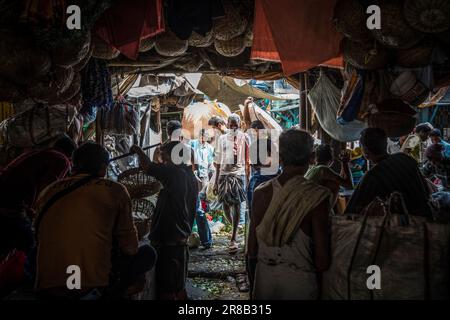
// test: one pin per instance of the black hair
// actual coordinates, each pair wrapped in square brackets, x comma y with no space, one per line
[436,133]
[215,121]
[89,158]
[257,124]
[65,145]
[296,147]
[173,125]
[324,153]
[168,147]
[374,140]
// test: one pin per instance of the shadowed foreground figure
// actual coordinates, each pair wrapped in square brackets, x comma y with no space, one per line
[396,172]
[86,221]
[173,218]
[288,245]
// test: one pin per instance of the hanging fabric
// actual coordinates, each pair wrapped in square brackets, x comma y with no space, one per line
[117,29]
[325,98]
[122,118]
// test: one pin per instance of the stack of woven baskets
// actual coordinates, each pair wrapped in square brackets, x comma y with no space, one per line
[140,186]
[409,30]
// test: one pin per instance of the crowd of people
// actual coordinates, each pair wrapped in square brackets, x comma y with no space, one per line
[59,210]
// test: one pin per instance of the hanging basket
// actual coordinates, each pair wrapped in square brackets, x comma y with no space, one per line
[138,183]
[169,45]
[52,88]
[70,52]
[350,20]
[430,16]
[103,50]
[418,56]
[230,48]
[197,40]
[147,44]
[142,214]
[230,26]
[395,32]
[393,123]
[368,56]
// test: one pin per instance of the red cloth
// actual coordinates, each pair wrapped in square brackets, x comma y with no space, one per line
[123,25]
[12,271]
[301,32]
[24,178]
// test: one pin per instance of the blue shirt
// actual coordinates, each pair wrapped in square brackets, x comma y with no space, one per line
[204,157]
[446,148]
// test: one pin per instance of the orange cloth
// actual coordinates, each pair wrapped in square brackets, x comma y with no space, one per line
[301,32]
[79,228]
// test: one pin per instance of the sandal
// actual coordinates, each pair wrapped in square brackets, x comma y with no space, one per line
[233,247]
[242,283]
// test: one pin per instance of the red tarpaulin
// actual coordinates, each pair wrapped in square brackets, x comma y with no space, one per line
[125,24]
[300,34]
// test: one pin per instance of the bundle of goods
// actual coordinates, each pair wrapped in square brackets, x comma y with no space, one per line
[142,215]
[138,183]
[230,26]
[361,90]
[395,32]
[367,55]
[196,115]
[395,117]
[350,20]
[410,89]
[411,252]
[103,50]
[58,86]
[37,125]
[95,86]
[325,99]
[22,61]
[169,45]
[122,118]
[428,16]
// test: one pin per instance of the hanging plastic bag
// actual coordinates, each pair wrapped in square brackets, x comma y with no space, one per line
[123,118]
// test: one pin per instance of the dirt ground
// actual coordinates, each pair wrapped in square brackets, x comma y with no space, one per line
[212,272]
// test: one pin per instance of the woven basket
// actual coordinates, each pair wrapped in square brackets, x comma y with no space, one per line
[197,40]
[350,20]
[430,16]
[102,50]
[230,48]
[418,56]
[169,45]
[248,36]
[393,123]
[395,32]
[138,183]
[142,214]
[230,26]
[147,44]
[365,55]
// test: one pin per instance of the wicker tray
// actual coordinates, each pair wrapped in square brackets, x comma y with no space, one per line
[138,183]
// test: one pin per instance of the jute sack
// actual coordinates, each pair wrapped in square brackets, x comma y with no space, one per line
[412,255]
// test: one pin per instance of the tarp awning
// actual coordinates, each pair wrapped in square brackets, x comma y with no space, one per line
[300,34]
[227,91]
